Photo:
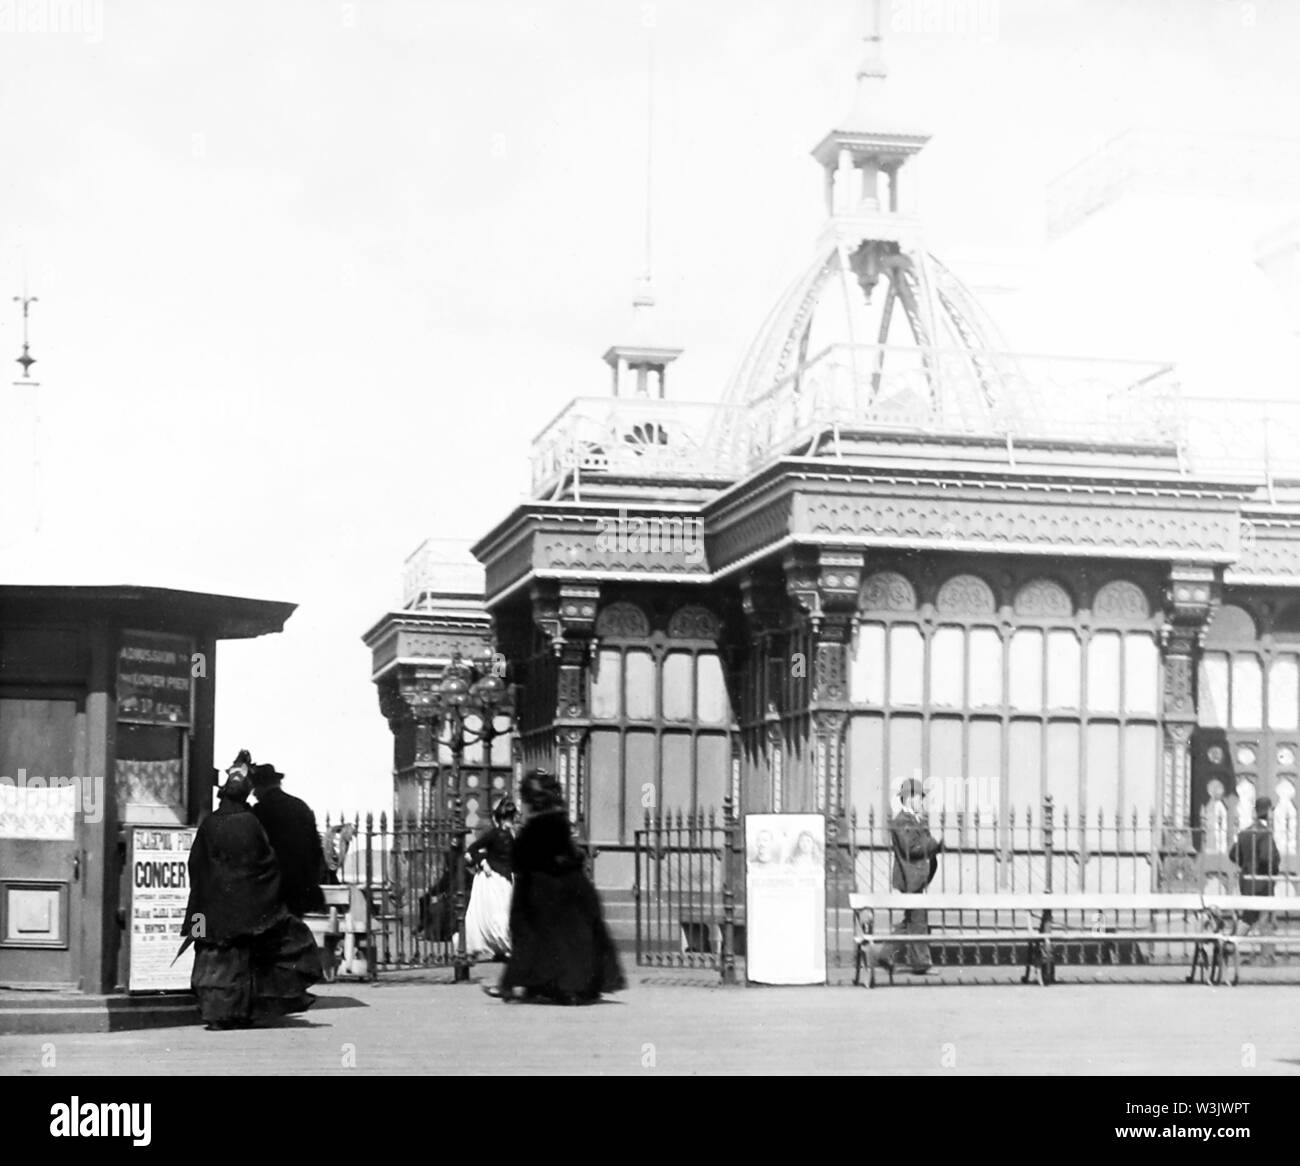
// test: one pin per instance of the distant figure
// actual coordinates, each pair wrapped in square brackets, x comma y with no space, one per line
[916,858]
[335,843]
[252,959]
[291,827]
[1257,858]
[437,906]
[561,949]
[487,920]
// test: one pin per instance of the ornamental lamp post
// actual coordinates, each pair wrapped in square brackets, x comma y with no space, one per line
[472,704]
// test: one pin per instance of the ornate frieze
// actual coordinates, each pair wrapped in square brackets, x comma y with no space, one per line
[1026,526]
[965,595]
[1120,600]
[1043,599]
[625,621]
[888,591]
[693,623]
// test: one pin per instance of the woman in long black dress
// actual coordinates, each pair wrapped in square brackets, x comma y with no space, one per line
[561,949]
[252,959]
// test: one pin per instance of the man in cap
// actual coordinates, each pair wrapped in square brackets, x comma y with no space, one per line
[291,827]
[915,862]
[1257,859]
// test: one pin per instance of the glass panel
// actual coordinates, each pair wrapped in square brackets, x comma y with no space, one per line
[714,707]
[679,700]
[947,769]
[904,755]
[1025,769]
[1064,668]
[1101,790]
[606,785]
[642,792]
[677,779]
[713,754]
[1247,691]
[1212,691]
[605,685]
[1141,761]
[906,664]
[985,668]
[867,668]
[1026,670]
[1063,739]
[1141,674]
[1103,673]
[866,763]
[640,686]
[984,786]
[947,668]
[1284,694]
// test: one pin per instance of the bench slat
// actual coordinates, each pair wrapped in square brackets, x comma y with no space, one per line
[1037,902]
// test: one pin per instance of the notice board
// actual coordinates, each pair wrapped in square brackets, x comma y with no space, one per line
[157,872]
[785,898]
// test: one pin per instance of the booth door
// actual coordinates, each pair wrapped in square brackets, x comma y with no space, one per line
[40,888]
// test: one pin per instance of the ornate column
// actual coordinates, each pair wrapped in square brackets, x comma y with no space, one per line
[415,690]
[764,604]
[1190,597]
[566,613]
[824,584]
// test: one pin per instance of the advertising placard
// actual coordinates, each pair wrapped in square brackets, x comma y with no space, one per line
[785,904]
[159,879]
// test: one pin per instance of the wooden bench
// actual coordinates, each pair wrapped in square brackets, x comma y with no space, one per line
[340,932]
[1228,909]
[1046,929]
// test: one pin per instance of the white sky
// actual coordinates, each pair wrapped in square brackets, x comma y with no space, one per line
[312,275]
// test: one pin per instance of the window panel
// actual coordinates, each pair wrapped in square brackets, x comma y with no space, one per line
[947,769]
[713,758]
[1284,693]
[906,664]
[985,668]
[1025,768]
[947,668]
[714,704]
[1063,757]
[867,668]
[1212,691]
[984,771]
[1247,691]
[679,699]
[677,781]
[640,686]
[606,785]
[1141,759]
[1103,673]
[1101,788]
[904,754]
[641,790]
[1026,668]
[1064,665]
[605,702]
[866,761]
[1141,675]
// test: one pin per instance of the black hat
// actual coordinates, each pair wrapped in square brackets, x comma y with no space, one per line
[1263,807]
[912,787]
[265,774]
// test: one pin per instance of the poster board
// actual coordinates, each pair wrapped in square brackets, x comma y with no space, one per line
[785,898]
[157,873]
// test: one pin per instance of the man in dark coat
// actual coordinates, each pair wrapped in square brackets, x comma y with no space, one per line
[291,827]
[916,853]
[1257,857]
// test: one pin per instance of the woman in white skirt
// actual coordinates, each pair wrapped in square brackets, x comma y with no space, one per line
[487,919]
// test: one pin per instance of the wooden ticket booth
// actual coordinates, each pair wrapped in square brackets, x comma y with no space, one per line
[107,698]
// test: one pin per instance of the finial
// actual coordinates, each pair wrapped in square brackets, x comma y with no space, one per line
[26,360]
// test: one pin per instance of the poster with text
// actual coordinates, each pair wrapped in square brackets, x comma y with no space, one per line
[158,868]
[785,898]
